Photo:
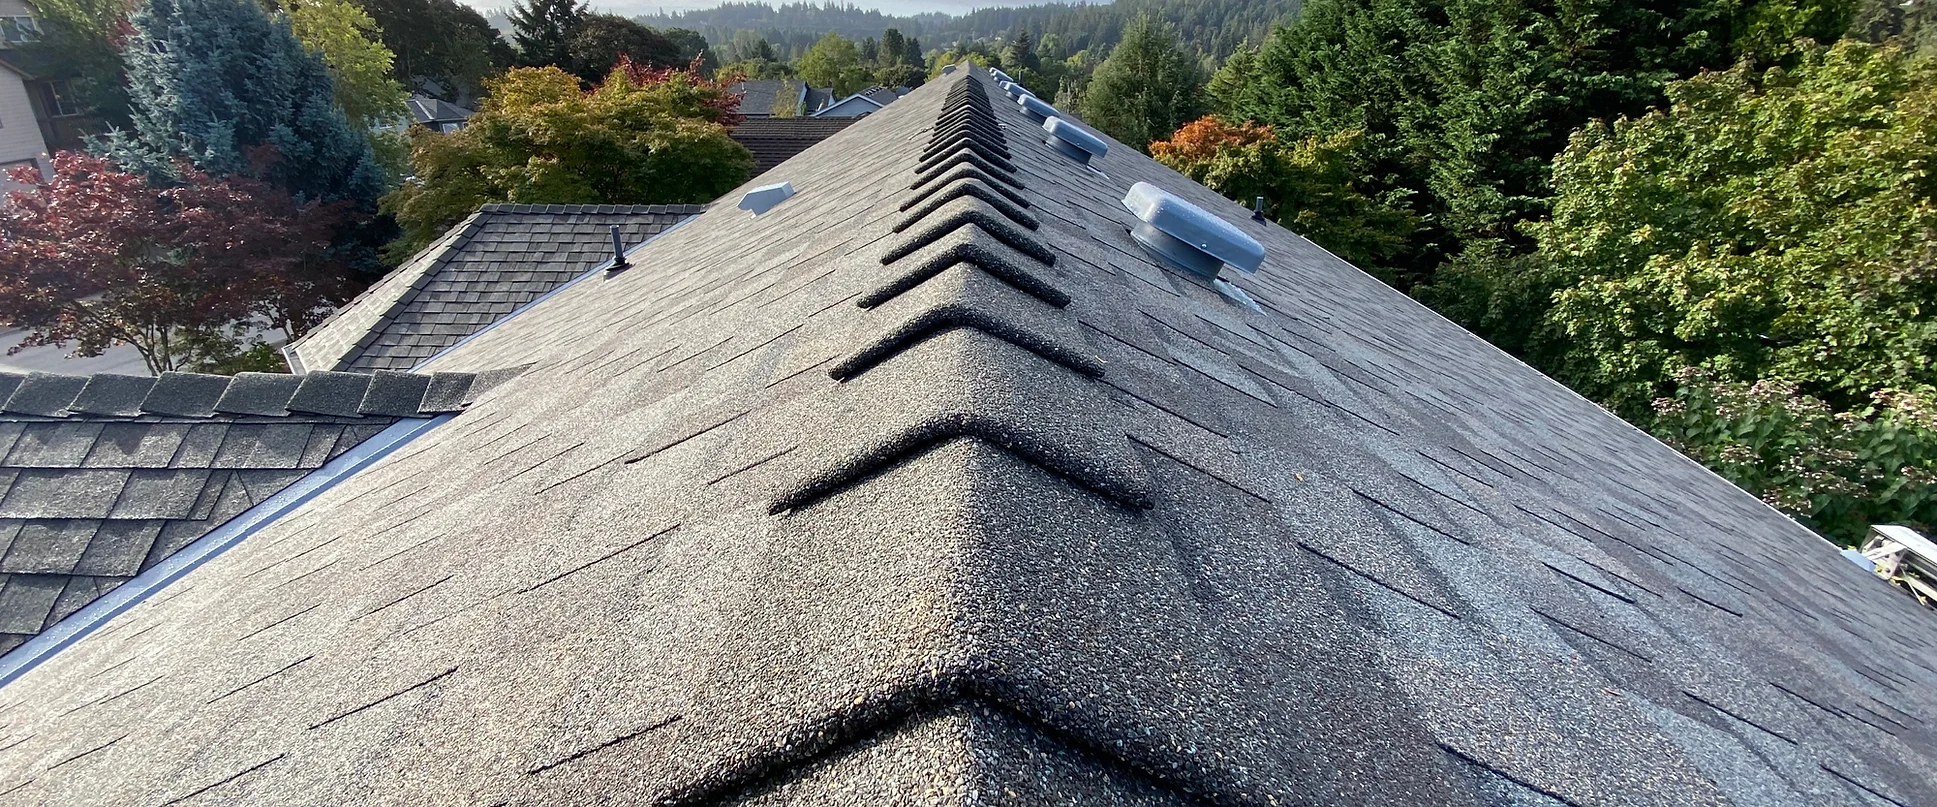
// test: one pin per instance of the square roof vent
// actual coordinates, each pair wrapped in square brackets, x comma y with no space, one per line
[762,199]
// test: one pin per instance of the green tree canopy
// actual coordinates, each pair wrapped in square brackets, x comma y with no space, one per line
[543,30]
[1774,225]
[1307,186]
[602,38]
[442,48]
[641,137]
[229,88]
[360,66]
[1146,88]
[835,62]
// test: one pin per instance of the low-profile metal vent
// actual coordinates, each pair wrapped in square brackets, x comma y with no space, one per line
[1038,110]
[1014,90]
[762,199]
[1072,142]
[1189,236]
[1000,76]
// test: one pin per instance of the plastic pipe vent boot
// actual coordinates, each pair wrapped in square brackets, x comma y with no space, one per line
[1188,235]
[1073,142]
[762,199]
[1037,110]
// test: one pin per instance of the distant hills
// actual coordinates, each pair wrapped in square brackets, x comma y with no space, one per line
[1215,27]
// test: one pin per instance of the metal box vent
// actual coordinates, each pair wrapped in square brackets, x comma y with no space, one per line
[1072,141]
[762,199]
[1187,235]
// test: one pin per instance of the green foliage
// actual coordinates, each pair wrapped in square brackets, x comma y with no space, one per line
[1307,185]
[835,62]
[229,88]
[1836,471]
[1147,87]
[442,48]
[1775,225]
[347,39]
[543,30]
[81,38]
[601,39]
[642,137]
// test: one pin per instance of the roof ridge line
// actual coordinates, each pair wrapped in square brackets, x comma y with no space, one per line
[892,712]
[970,186]
[446,244]
[986,218]
[934,321]
[937,431]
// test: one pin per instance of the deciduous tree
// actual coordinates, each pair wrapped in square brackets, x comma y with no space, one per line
[360,66]
[834,62]
[1774,225]
[1307,185]
[97,257]
[601,40]
[643,136]
[443,48]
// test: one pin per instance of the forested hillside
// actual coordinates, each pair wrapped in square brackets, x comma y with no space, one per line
[1215,27]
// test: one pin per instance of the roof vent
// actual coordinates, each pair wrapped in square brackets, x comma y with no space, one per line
[1014,90]
[947,69]
[762,199]
[1072,141]
[1187,235]
[1037,110]
[618,251]
[1001,76]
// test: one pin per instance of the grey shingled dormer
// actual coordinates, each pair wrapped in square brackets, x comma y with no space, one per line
[486,267]
[932,487]
[102,477]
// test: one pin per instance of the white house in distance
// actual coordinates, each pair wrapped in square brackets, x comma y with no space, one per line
[21,138]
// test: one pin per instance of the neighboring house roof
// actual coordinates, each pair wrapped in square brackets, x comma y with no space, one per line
[429,111]
[854,105]
[759,98]
[774,140]
[502,257]
[815,98]
[102,477]
[931,486]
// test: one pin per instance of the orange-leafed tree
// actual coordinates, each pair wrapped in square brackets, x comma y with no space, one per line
[1307,185]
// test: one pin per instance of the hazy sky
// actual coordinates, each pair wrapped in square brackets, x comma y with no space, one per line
[897,7]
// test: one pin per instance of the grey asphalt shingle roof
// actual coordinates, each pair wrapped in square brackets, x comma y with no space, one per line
[503,256]
[776,140]
[929,486]
[102,477]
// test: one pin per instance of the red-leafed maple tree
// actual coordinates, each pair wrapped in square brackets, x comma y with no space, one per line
[98,257]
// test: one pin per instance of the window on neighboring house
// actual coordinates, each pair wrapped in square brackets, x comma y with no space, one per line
[61,101]
[19,30]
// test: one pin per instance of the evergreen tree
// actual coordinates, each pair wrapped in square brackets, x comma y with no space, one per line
[543,30]
[870,51]
[894,47]
[230,89]
[1229,84]
[1021,53]
[1147,88]
[913,52]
